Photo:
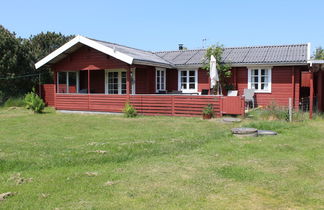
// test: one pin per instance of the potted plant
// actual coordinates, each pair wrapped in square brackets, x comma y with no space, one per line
[208,112]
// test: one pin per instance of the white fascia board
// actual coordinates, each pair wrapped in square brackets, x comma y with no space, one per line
[308,51]
[80,39]
[107,50]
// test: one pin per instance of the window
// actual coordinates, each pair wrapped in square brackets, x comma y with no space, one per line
[116,79]
[188,80]
[260,79]
[68,82]
[160,79]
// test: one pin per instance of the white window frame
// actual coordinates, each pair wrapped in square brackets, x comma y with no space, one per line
[120,79]
[157,89]
[259,80]
[67,81]
[187,90]
[133,80]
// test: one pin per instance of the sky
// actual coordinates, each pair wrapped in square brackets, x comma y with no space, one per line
[162,25]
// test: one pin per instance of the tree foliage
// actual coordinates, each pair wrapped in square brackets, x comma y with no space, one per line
[15,59]
[223,68]
[43,44]
[319,53]
[18,57]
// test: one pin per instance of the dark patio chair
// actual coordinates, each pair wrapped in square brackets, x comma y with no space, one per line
[204,92]
[162,92]
[176,92]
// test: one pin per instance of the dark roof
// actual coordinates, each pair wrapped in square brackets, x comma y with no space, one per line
[137,54]
[279,54]
[239,56]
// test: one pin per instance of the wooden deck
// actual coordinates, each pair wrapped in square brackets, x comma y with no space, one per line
[147,104]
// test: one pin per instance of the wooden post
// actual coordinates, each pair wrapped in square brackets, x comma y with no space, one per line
[320,91]
[293,85]
[89,87]
[290,109]
[311,95]
[243,105]
[55,88]
[172,105]
[221,105]
[234,78]
[128,82]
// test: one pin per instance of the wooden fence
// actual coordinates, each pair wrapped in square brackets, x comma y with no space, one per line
[148,104]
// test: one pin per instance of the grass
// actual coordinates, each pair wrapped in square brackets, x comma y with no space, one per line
[15,102]
[71,161]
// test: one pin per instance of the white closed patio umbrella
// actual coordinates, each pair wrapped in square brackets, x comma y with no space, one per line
[214,78]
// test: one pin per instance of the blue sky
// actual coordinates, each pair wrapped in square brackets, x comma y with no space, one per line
[161,25]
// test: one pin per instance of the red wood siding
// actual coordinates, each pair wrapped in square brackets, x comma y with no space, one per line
[203,80]
[47,93]
[305,79]
[173,105]
[97,81]
[145,80]
[282,87]
[176,105]
[87,58]
[172,80]
[233,105]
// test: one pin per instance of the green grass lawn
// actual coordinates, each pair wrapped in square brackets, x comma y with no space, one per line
[73,161]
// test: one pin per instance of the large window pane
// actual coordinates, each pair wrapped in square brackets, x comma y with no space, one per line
[72,82]
[188,80]
[62,80]
[260,79]
[160,80]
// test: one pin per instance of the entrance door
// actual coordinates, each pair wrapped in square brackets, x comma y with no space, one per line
[116,82]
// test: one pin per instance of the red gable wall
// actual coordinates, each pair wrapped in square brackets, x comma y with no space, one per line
[281,89]
[87,58]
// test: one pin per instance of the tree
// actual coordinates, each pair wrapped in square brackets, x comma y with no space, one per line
[14,60]
[43,44]
[319,53]
[223,68]
[18,57]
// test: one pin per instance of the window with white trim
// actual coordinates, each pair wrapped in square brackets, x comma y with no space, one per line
[68,82]
[188,80]
[160,79]
[260,79]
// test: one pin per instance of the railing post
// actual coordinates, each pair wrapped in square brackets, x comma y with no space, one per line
[220,106]
[172,105]
[243,106]
[89,86]
[311,95]
[55,81]
[128,82]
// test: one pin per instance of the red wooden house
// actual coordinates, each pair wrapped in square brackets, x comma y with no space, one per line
[92,75]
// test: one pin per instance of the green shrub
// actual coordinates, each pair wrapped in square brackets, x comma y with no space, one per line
[34,102]
[271,112]
[2,97]
[208,110]
[18,102]
[129,110]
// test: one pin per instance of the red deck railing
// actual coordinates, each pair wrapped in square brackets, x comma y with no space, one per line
[147,104]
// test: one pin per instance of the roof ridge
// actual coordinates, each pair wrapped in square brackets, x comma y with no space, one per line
[169,51]
[264,46]
[150,52]
[121,45]
[242,47]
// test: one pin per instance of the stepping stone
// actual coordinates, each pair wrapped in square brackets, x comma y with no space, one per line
[231,119]
[266,133]
[245,132]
